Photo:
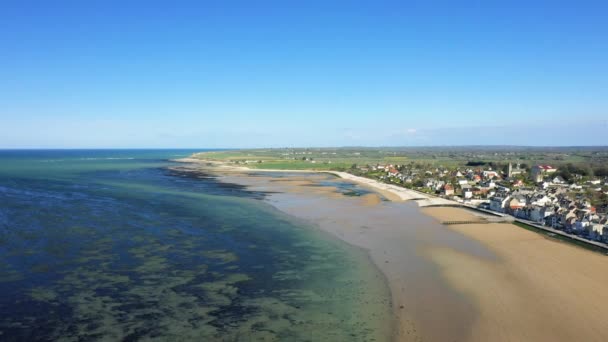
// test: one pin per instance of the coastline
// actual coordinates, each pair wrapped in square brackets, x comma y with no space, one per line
[416,287]
[392,192]
[420,298]
[483,276]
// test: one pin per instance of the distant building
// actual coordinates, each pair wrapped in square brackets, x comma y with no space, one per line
[514,171]
[490,174]
[447,190]
[540,171]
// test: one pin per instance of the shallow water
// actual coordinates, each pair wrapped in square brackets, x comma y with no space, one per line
[113,245]
[399,238]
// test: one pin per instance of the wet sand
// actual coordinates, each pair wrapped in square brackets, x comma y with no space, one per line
[473,282]
[396,236]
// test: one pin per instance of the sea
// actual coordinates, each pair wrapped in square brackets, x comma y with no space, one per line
[114,245]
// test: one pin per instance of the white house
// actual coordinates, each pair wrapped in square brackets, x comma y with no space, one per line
[540,200]
[463,182]
[488,184]
[467,194]
[490,174]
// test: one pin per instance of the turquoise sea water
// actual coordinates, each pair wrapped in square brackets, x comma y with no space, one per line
[112,245]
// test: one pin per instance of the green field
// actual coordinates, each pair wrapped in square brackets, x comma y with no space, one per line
[344,158]
[304,159]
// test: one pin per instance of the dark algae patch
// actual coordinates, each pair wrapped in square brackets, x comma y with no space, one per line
[123,249]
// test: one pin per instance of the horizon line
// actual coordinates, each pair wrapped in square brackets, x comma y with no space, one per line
[295,147]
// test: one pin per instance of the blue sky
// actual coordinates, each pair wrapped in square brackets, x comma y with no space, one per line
[95,74]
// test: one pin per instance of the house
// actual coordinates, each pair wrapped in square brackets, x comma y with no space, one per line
[447,190]
[518,183]
[490,174]
[439,185]
[467,194]
[540,171]
[502,188]
[488,184]
[497,203]
[517,202]
[581,225]
[605,234]
[594,230]
[540,200]
[429,183]
[393,172]
[464,187]
[463,182]
[558,180]
[539,213]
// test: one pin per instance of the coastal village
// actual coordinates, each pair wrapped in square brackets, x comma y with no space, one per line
[563,191]
[540,194]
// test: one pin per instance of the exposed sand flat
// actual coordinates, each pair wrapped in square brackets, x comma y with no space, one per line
[395,235]
[392,192]
[539,290]
[473,282]
[370,199]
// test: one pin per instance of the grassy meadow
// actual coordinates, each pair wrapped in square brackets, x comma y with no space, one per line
[345,158]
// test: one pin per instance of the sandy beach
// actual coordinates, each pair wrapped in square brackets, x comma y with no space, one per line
[539,290]
[392,192]
[470,282]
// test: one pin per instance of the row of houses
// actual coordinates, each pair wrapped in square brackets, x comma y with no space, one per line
[546,203]
[554,208]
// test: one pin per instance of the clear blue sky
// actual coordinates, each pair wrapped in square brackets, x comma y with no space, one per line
[83,74]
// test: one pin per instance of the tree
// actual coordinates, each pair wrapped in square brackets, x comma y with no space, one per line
[601,171]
